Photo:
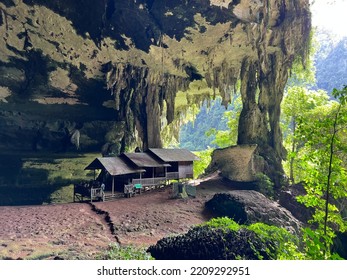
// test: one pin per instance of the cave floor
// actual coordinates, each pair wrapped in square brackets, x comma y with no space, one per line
[84,231]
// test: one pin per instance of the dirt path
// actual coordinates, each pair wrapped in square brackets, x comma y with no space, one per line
[82,231]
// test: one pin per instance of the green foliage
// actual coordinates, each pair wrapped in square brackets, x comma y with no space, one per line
[204,161]
[282,245]
[40,178]
[279,243]
[214,126]
[223,223]
[117,252]
[297,108]
[315,245]
[209,243]
[228,137]
[303,70]
[264,185]
[315,135]
[324,142]
[193,133]
[223,238]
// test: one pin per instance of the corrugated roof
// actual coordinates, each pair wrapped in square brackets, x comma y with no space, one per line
[171,155]
[145,160]
[113,165]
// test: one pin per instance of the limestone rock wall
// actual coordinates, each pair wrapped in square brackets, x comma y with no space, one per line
[124,61]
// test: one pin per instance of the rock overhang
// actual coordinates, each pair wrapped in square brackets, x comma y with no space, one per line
[157,47]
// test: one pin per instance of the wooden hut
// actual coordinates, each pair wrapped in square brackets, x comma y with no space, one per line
[131,172]
[180,160]
[155,170]
[115,172]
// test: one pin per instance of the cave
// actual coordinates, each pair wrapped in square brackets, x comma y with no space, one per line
[138,55]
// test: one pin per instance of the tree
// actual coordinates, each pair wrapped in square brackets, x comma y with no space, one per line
[296,107]
[228,137]
[326,175]
[211,126]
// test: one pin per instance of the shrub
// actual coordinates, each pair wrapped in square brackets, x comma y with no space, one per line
[264,185]
[200,165]
[224,223]
[117,252]
[285,244]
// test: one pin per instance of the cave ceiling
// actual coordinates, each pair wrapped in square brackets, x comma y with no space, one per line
[131,58]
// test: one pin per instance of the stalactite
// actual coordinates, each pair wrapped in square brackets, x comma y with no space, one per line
[140,92]
[220,42]
[260,121]
[264,72]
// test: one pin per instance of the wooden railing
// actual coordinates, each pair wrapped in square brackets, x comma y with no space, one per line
[96,193]
[172,175]
[149,181]
[86,190]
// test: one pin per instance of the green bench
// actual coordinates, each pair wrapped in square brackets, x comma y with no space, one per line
[138,188]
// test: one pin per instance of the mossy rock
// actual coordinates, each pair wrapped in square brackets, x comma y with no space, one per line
[207,243]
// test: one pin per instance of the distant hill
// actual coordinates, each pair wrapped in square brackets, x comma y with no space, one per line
[193,134]
[331,61]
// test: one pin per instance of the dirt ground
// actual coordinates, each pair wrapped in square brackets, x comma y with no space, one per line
[83,230]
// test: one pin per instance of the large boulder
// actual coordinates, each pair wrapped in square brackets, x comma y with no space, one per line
[205,243]
[288,199]
[237,163]
[340,245]
[247,207]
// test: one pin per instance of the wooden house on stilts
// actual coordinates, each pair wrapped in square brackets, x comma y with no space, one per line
[115,172]
[129,173]
[180,162]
